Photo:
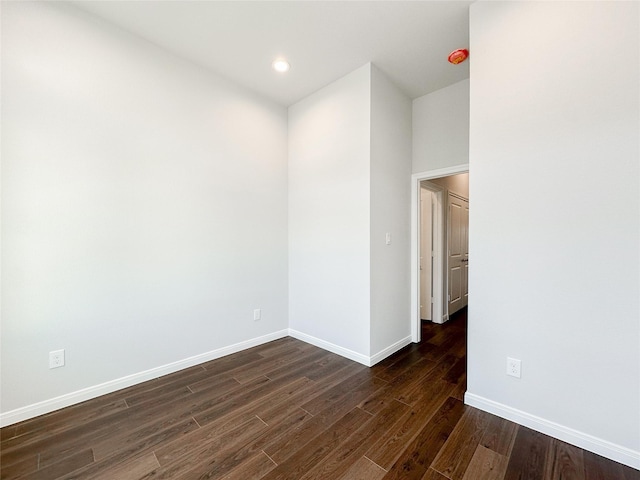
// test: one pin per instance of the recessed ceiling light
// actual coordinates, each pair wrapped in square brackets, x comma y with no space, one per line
[281,65]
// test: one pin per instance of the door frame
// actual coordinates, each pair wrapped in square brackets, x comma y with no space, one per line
[437,247]
[426,191]
[438,283]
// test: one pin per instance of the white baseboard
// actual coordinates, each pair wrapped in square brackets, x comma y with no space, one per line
[73,398]
[47,406]
[344,352]
[588,442]
[350,354]
[390,350]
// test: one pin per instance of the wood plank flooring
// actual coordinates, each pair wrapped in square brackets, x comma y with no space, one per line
[288,410]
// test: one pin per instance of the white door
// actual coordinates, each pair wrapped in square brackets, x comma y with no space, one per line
[426,249]
[458,252]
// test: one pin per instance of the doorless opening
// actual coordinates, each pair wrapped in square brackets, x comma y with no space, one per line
[439,292]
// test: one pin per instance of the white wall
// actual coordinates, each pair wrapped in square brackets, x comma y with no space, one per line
[349,184]
[555,277]
[390,213]
[329,225]
[441,128]
[144,207]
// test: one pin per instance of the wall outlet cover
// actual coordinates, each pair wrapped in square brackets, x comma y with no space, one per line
[514,367]
[56,359]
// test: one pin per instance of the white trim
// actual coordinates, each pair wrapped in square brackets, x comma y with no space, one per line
[66,400]
[331,347]
[440,310]
[457,195]
[583,440]
[416,178]
[438,279]
[73,398]
[441,172]
[415,259]
[390,350]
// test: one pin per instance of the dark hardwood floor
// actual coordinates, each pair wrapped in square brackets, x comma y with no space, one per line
[288,410]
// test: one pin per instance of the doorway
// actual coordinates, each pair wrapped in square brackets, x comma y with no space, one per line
[427,189]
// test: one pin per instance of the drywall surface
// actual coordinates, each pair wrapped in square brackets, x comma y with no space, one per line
[144,207]
[555,274]
[441,128]
[329,205]
[390,213]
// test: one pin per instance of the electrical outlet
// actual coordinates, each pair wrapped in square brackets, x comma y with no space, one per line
[513,367]
[56,359]
[257,314]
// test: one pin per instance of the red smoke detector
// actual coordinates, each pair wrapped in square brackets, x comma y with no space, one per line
[458,56]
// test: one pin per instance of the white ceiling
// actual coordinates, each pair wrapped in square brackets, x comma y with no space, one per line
[323,40]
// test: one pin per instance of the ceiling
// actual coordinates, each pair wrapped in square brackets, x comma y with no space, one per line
[322,40]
